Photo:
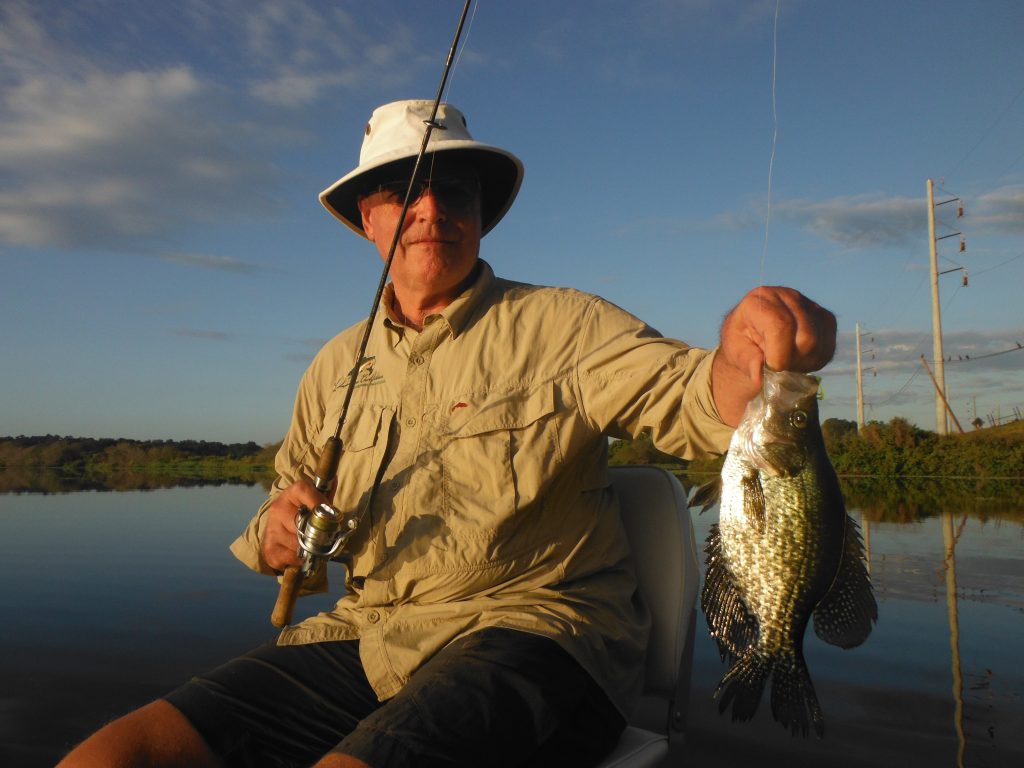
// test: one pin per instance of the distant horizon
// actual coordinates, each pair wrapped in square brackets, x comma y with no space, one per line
[268,443]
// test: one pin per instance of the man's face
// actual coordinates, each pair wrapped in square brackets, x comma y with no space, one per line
[440,240]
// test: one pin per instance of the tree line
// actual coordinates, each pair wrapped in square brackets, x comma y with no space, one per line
[894,449]
[73,454]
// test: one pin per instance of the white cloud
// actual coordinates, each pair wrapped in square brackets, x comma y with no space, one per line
[893,350]
[295,53]
[124,146]
[859,221]
[869,221]
[96,158]
[1001,209]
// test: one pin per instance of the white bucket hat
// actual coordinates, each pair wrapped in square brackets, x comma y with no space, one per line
[393,139]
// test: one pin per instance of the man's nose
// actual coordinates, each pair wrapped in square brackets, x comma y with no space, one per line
[429,206]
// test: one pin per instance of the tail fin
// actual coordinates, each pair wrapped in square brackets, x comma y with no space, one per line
[793,698]
[743,684]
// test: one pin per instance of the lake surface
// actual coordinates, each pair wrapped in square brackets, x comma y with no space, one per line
[112,598]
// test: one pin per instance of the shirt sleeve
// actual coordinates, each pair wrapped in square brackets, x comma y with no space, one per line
[630,379]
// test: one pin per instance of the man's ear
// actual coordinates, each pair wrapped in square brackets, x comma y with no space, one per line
[364,212]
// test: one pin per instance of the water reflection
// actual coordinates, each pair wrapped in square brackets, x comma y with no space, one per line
[910,500]
[35,480]
[949,565]
[939,682]
[136,590]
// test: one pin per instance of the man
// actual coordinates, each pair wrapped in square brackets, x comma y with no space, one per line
[490,614]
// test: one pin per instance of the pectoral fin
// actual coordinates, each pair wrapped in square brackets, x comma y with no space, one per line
[753,501]
[707,495]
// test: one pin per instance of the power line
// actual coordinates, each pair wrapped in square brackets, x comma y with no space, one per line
[969,359]
[899,391]
[1000,264]
[987,132]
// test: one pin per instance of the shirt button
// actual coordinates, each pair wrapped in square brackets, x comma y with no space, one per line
[410,422]
[373,616]
[418,360]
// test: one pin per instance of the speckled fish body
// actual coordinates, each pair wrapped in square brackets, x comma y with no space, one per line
[784,550]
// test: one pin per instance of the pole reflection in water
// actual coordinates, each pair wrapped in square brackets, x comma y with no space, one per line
[949,565]
[865,527]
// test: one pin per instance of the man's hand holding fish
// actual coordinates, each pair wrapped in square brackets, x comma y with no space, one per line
[771,326]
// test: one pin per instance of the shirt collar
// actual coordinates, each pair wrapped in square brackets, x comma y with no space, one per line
[454,316]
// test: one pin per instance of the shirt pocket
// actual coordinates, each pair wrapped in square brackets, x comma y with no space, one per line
[363,443]
[499,450]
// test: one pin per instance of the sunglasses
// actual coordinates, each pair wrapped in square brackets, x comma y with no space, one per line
[455,193]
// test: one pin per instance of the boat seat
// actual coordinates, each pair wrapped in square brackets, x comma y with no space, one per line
[660,532]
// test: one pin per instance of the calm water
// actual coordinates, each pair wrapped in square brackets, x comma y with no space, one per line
[113,598]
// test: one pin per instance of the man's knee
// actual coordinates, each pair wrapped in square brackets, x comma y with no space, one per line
[340,761]
[156,734]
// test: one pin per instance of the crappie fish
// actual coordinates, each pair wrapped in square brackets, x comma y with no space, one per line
[784,549]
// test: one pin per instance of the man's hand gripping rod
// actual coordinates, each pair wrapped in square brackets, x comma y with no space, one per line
[324,530]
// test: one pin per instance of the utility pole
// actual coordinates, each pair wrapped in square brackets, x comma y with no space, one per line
[860,376]
[941,421]
[940,368]
[860,384]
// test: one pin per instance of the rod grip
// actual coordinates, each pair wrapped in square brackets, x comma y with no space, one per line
[327,468]
[289,591]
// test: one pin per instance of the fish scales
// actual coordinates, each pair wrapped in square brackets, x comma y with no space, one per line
[784,550]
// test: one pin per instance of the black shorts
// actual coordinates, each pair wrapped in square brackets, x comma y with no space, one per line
[496,697]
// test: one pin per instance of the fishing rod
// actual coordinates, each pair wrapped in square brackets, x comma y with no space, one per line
[324,530]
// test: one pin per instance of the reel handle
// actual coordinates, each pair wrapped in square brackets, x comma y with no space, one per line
[286,596]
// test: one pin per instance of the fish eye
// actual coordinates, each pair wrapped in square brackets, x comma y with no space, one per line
[798,419]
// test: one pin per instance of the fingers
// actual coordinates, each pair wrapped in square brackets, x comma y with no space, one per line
[780,328]
[280,543]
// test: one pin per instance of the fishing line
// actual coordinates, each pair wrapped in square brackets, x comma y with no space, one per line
[775,137]
[771,159]
[431,124]
[462,50]
[458,58]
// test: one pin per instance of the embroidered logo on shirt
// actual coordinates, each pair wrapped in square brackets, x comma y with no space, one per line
[366,377]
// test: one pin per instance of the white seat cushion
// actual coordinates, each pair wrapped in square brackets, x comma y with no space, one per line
[637,748]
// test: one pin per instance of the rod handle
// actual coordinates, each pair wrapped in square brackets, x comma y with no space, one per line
[327,468]
[289,591]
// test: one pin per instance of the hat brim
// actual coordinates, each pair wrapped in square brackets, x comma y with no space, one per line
[500,174]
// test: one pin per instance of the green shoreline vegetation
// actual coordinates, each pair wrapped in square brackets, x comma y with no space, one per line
[896,472]
[892,454]
[896,449]
[58,464]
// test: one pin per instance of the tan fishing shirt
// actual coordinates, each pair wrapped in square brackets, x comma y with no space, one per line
[478,447]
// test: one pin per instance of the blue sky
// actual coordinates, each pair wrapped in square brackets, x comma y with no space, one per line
[168,271]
